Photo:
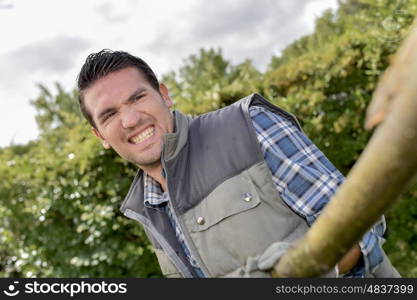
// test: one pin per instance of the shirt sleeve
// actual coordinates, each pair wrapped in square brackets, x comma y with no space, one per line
[306,180]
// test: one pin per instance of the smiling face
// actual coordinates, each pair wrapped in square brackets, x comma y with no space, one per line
[130,115]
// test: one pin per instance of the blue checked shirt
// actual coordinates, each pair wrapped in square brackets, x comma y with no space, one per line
[304,178]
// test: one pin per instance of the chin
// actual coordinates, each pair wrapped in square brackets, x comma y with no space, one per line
[149,160]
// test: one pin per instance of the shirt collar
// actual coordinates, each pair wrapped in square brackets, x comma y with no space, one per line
[153,193]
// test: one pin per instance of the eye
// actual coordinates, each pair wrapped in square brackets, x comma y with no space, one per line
[138,97]
[108,116]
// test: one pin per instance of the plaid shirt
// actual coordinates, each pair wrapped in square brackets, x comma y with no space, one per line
[304,178]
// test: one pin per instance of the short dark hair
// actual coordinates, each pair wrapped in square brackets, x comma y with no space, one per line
[97,65]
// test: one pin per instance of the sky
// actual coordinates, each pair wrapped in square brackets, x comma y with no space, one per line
[47,41]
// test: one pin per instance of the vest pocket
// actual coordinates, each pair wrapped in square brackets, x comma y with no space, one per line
[234,196]
[240,218]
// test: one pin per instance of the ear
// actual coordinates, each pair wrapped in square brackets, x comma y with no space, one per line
[163,90]
[97,133]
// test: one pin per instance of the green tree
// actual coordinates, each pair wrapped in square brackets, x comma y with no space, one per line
[207,81]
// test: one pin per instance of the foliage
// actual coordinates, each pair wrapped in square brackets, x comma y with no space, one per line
[59,195]
[401,245]
[207,82]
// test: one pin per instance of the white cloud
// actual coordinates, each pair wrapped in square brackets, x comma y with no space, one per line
[314,9]
[47,40]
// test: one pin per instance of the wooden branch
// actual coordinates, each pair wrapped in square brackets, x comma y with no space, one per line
[384,169]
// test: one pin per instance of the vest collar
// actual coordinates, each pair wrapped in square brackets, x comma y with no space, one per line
[174,142]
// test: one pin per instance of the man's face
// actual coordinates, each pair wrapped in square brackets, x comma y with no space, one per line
[130,115]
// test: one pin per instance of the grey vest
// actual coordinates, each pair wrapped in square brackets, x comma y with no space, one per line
[221,192]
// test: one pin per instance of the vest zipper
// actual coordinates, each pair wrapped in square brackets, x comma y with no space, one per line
[176,260]
[189,245]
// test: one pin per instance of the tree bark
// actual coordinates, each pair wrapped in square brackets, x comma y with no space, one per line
[386,166]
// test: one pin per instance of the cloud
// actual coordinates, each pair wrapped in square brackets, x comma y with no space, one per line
[21,70]
[55,55]
[243,29]
[109,13]
[235,18]
[161,32]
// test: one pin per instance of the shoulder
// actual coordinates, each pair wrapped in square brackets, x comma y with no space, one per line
[265,119]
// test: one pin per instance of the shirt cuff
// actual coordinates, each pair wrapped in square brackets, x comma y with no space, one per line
[371,256]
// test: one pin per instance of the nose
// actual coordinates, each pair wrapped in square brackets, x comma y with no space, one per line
[130,118]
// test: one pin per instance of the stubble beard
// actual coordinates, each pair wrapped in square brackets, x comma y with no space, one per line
[151,160]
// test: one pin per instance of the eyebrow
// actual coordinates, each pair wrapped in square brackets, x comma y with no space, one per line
[129,99]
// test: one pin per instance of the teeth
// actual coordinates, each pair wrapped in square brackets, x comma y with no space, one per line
[143,136]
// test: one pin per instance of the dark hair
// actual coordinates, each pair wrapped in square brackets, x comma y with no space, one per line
[97,65]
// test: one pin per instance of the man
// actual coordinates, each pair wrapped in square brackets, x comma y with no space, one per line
[220,195]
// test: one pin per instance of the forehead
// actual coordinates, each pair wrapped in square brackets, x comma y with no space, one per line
[112,89]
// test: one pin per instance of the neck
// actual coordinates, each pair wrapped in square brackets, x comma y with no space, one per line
[156,174]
